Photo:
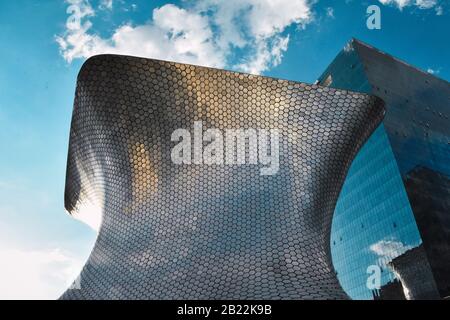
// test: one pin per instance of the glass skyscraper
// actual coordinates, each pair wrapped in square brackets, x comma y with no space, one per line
[394,209]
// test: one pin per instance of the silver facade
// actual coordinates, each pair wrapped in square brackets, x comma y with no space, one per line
[207,231]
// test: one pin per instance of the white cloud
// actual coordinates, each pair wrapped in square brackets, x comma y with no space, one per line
[175,34]
[266,54]
[258,26]
[399,3]
[330,12]
[388,249]
[433,71]
[106,4]
[421,4]
[266,18]
[205,33]
[36,274]
[426,4]
[349,47]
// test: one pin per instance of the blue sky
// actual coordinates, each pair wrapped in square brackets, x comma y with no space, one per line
[42,247]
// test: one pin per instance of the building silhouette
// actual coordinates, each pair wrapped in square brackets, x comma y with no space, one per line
[414,272]
[392,290]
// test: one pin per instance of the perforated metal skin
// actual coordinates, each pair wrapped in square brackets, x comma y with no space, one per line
[202,231]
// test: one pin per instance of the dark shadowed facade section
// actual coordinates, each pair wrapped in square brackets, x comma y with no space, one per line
[207,231]
[414,272]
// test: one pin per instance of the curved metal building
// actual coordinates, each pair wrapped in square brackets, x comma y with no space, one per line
[207,231]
